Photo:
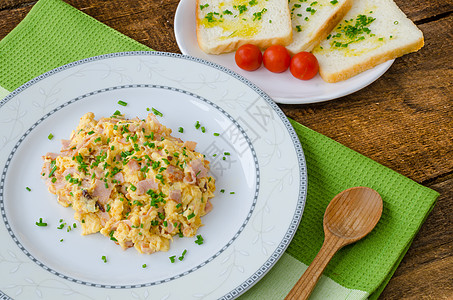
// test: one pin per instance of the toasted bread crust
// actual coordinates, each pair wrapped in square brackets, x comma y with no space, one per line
[232,44]
[371,62]
[323,31]
[235,44]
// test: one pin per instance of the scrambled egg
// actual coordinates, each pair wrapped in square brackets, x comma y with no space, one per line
[131,180]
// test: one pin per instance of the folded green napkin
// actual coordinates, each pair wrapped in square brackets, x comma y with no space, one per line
[54,33]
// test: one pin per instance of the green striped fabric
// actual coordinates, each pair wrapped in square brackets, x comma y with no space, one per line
[54,33]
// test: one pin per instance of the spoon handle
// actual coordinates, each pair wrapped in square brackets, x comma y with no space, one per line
[307,282]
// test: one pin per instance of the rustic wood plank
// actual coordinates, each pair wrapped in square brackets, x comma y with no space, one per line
[430,284]
[427,267]
[149,22]
[11,4]
[10,18]
[419,10]
[404,119]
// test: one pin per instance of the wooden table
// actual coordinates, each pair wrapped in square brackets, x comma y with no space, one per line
[404,120]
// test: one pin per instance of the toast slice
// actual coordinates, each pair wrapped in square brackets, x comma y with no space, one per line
[313,20]
[371,33]
[225,25]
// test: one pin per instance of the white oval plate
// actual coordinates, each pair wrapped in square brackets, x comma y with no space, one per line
[264,181]
[283,87]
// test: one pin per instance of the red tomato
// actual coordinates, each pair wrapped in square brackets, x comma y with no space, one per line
[276,59]
[304,66]
[248,57]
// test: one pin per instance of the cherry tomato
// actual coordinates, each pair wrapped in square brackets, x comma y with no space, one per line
[304,66]
[276,59]
[248,57]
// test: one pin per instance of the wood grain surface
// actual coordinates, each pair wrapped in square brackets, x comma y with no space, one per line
[404,120]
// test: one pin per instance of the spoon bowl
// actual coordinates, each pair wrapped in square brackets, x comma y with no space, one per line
[349,217]
[353,213]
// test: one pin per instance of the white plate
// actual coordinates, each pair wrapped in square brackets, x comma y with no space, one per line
[283,87]
[245,234]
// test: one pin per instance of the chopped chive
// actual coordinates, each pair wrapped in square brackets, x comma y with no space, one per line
[182,255]
[61,240]
[41,223]
[181,129]
[156,112]
[52,171]
[122,103]
[191,216]
[104,258]
[28,189]
[216,134]
[50,136]
[231,193]
[172,258]
[144,266]
[199,240]
[222,191]
[112,237]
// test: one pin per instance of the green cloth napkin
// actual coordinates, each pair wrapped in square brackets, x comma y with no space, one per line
[54,33]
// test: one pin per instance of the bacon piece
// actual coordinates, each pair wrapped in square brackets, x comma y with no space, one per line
[175,195]
[133,165]
[169,228]
[144,185]
[99,172]
[196,169]
[85,142]
[86,183]
[109,120]
[146,249]
[174,173]
[189,178]
[50,155]
[128,244]
[115,225]
[123,141]
[65,145]
[45,168]
[59,184]
[119,177]
[190,145]
[69,171]
[103,217]
[208,207]
[101,192]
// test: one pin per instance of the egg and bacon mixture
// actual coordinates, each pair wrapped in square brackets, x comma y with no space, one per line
[131,180]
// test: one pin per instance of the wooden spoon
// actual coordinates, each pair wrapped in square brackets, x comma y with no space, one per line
[350,216]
